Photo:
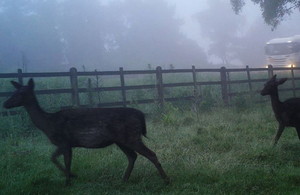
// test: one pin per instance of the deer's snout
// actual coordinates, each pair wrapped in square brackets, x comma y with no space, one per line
[263,93]
[12,102]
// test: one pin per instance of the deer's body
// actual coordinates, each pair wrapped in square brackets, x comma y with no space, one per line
[287,113]
[89,128]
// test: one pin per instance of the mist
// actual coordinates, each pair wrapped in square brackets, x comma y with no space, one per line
[55,35]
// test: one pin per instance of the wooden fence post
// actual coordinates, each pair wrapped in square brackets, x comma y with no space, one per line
[249,78]
[228,87]
[270,71]
[90,94]
[293,80]
[224,86]
[123,86]
[20,77]
[196,92]
[159,86]
[74,86]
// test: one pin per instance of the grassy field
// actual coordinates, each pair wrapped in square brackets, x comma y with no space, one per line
[223,151]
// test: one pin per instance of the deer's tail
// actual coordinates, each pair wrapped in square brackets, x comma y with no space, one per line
[144,128]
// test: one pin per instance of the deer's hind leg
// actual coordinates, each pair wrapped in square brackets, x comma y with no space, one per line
[131,156]
[149,154]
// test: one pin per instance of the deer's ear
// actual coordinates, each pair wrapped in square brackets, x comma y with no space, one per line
[31,83]
[16,85]
[281,81]
[274,77]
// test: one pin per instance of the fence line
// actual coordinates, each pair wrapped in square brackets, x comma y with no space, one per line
[225,83]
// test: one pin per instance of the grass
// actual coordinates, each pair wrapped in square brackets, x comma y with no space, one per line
[228,151]
[220,151]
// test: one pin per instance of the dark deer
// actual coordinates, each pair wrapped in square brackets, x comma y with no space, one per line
[287,113]
[88,128]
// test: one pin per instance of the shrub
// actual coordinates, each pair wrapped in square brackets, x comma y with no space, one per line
[207,100]
[170,115]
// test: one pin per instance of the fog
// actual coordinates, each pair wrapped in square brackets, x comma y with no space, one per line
[55,35]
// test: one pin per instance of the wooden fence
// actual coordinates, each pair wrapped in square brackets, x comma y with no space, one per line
[225,83]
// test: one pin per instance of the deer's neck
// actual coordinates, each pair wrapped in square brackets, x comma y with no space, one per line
[276,103]
[37,115]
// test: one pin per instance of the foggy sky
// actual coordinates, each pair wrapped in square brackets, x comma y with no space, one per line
[132,34]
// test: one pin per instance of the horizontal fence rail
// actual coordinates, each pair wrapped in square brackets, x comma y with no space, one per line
[225,82]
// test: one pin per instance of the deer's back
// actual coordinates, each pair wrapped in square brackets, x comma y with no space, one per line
[99,127]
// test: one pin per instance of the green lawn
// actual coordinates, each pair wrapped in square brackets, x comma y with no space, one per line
[226,151]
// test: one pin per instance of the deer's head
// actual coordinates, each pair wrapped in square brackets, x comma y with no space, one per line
[271,86]
[22,96]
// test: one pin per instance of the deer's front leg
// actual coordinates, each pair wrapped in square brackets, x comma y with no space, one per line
[67,152]
[298,131]
[279,132]
[68,158]
[54,157]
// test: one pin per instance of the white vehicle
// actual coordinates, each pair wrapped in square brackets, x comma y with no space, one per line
[283,52]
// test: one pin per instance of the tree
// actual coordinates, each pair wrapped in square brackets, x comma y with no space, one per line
[273,11]
[144,32]
[250,47]
[29,27]
[81,24]
[222,27]
[128,33]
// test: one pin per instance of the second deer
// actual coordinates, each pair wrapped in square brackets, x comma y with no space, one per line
[287,113]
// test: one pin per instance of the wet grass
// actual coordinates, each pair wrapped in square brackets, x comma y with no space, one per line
[226,151]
